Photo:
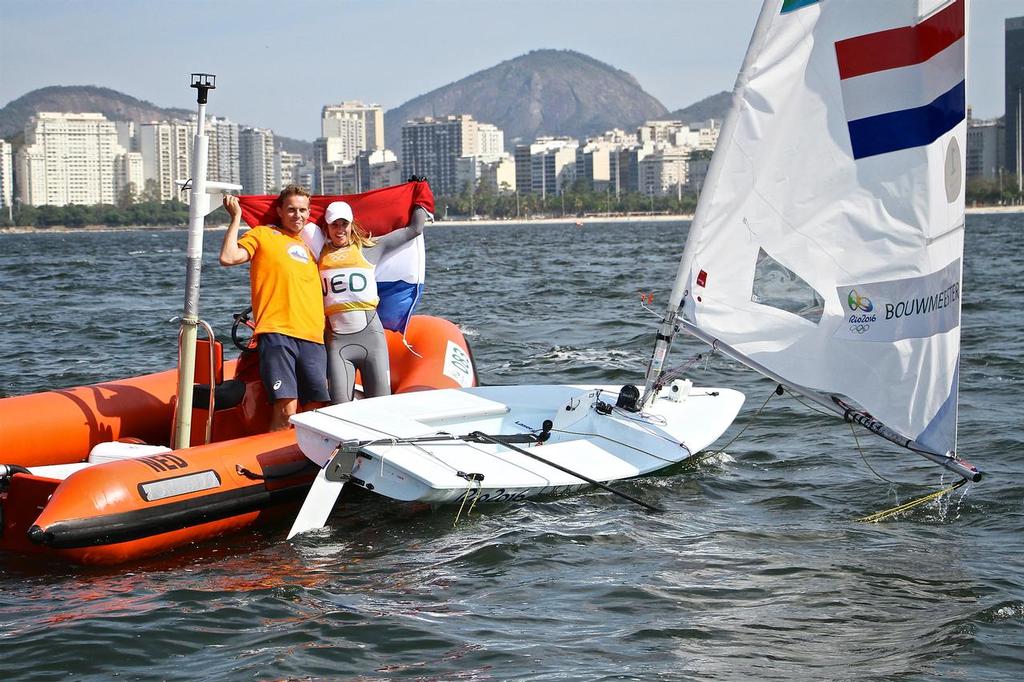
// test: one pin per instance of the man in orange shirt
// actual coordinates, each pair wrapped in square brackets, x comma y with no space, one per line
[287,303]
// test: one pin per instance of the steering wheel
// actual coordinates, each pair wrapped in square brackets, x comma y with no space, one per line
[242,331]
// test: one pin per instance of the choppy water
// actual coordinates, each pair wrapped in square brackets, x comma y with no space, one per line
[757,571]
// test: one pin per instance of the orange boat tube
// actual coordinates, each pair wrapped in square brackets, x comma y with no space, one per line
[57,499]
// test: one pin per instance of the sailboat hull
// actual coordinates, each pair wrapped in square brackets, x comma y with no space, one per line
[411,461]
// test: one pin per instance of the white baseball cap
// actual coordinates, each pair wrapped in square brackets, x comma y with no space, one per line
[338,210]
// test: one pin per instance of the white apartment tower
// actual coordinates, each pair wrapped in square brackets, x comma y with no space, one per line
[490,141]
[285,166]
[129,171]
[663,172]
[166,148]
[6,176]
[355,126]
[68,158]
[376,169]
[546,166]
[224,156]
[431,147]
[256,160]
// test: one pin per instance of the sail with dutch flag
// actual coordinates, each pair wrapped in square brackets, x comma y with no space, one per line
[826,250]
[401,273]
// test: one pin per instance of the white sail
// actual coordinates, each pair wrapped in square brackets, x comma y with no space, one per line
[828,242]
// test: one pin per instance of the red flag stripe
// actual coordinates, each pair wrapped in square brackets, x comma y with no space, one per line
[379,210]
[903,46]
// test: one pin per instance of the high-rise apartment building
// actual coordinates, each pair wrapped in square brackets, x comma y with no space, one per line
[357,127]
[285,165]
[129,172]
[595,164]
[663,171]
[224,156]
[490,141]
[1014,56]
[376,169]
[985,147]
[546,166]
[68,158]
[166,148]
[6,176]
[256,160]
[431,146]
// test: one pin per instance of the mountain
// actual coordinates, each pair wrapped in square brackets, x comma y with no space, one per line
[544,92]
[115,105]
[715,106]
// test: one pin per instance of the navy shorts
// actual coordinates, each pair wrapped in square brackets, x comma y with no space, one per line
[293,368]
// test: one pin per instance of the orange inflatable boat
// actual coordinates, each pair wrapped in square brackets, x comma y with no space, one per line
[86,473]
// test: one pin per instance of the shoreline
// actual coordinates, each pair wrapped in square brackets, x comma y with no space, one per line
[488,222]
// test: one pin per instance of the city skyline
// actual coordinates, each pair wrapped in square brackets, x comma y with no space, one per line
[282,73]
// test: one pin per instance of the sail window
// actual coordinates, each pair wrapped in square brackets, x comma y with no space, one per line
[777,286]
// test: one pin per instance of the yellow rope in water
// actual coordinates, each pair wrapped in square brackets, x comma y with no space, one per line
[888,513]
[472,506]
[469,489]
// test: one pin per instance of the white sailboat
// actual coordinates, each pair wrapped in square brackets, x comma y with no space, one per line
[826,253]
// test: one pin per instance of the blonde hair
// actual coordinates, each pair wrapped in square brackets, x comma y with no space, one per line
[360,236]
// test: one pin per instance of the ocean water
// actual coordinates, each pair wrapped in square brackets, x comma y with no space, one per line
[757,570]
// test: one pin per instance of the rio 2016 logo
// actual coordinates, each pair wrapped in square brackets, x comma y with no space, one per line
[858,302]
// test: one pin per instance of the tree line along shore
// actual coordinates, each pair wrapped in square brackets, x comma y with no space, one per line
[575,203]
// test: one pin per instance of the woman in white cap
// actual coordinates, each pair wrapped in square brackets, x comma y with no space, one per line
[355,336]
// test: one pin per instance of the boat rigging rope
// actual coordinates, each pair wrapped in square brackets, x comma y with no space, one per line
[898,509]
[472,506]
[889,513]
[856,440]
[704,456]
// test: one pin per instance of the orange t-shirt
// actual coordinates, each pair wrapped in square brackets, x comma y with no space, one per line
[286,295]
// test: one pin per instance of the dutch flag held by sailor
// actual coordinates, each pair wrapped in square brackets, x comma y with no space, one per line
[904,87]
[400,275]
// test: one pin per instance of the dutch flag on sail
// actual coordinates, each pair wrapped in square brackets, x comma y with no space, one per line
[904,87]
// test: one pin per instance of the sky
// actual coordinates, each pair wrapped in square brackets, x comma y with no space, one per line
[277,64]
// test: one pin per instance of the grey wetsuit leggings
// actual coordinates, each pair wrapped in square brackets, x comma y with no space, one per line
[365,350]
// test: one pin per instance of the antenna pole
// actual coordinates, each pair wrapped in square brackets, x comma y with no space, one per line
[199,203]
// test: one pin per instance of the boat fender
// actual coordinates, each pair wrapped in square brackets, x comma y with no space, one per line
[629,398]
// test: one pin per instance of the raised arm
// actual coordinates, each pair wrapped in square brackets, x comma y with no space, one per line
[396,238]
[230,252]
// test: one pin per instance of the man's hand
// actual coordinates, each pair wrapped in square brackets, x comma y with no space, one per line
[230,252]
[232,206]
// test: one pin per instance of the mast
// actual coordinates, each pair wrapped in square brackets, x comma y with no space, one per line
[199,207]
[769,10]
